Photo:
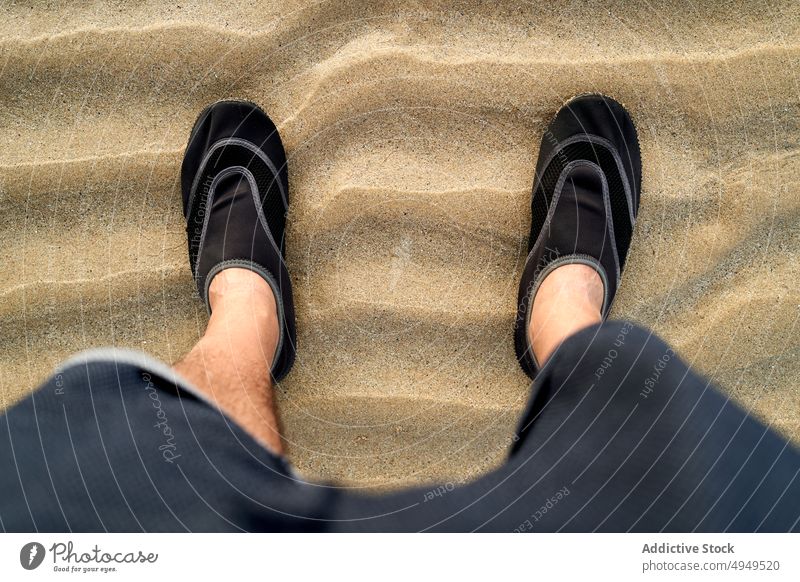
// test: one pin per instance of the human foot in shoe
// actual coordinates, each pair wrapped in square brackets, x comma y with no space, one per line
[584,206]
[235,199]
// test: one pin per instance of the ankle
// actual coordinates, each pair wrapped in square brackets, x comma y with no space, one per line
[237,287]
[244,316]
[568,300]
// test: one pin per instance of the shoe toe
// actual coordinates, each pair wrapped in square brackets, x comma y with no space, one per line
[596,115]
[230,119]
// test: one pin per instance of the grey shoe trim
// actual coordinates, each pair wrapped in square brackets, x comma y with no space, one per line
[575,259]
[258,269]
[604,143]
[610,224]
[246,144]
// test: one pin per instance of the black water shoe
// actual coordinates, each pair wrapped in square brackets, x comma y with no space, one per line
[235,199]
[585,201]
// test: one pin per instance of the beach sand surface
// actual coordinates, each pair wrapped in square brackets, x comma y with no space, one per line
[412,131]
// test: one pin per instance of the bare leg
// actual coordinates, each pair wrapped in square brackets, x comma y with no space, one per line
[231,362]
[568,300]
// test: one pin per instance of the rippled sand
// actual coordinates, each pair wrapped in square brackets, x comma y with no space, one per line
[412,134]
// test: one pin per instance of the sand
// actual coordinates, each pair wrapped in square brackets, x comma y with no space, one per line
[412,130]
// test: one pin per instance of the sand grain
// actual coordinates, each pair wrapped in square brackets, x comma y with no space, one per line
[412,132]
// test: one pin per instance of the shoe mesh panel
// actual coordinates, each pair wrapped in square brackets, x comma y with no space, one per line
[584,150]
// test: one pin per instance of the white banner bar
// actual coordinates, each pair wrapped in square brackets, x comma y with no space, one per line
[398,556]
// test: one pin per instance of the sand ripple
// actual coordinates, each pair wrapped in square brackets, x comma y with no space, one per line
[412,136]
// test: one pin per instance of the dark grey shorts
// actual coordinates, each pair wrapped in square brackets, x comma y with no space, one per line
[115,441]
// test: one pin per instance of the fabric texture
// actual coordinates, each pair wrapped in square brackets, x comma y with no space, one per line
[620,435]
